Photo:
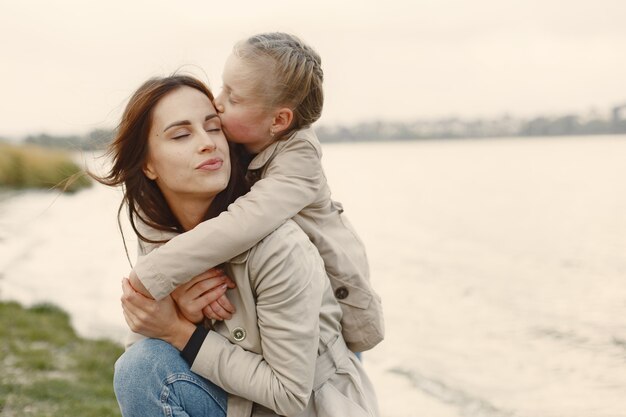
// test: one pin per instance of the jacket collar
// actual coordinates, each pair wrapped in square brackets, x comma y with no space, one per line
[263,157]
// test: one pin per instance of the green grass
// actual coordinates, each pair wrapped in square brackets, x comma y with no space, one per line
[47,370]
[30,166]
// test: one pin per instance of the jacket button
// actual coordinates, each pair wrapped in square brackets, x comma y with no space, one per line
[238,334]
[341,293]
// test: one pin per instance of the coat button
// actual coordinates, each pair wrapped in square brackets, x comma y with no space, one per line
[341,293]
[238,334]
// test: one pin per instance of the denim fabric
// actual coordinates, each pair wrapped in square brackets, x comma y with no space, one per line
[152,379]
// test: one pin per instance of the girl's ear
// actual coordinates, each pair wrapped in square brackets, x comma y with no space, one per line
[282,120]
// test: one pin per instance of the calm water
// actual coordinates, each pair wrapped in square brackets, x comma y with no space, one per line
[501,263]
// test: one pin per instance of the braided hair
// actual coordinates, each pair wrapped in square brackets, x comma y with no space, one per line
[289,74]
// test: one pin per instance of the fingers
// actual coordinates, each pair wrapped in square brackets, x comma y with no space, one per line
[128,308]
[137,285]
[130,296]
[207,285]
[211,273]
[136,304]
[220,309]
[208,312]
[205,295]
[225,304]
[131,320]
[195,306]
[202,283]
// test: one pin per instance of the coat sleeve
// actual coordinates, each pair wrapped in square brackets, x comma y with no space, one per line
[292,181]
[289,285]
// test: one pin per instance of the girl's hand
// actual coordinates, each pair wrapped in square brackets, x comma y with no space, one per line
[137,285]
[220,309]
[156,319]
[205,290]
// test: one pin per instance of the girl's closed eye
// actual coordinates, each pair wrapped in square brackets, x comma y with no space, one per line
[233,98]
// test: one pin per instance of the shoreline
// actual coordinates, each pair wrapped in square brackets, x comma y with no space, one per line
[29,167]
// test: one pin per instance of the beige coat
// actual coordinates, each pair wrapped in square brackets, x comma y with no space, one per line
[282,352]
[283,348]
[289,182]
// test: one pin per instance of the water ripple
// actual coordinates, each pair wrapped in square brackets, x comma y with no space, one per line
[468,405]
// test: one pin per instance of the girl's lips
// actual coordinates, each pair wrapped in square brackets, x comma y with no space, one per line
[211,164]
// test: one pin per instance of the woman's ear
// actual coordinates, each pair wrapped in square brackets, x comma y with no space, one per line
[149,171]
[282,120]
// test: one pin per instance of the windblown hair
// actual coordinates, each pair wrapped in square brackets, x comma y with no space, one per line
[289,74]
[129,150]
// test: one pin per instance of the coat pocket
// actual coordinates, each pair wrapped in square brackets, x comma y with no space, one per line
[331,402]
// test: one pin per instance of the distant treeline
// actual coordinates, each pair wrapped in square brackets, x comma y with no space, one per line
[96,139]
[444,128]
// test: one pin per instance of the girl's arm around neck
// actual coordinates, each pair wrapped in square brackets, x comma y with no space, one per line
[288,278]
[292,181]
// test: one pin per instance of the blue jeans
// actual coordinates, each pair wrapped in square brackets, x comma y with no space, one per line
[152,379]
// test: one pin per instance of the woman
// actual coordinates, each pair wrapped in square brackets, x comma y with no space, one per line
[282,352]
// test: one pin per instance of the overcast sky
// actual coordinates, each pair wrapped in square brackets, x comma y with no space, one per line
[68,66]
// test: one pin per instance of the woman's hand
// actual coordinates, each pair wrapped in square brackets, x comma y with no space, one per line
[204,296]
[157,319]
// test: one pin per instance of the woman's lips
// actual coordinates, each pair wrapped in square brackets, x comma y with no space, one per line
[211,164]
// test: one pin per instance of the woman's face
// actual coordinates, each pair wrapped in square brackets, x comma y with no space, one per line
[187,151]
[245,117]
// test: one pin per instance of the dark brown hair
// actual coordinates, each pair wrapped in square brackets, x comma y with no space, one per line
[129,150]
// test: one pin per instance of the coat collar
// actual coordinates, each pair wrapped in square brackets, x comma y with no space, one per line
[263,157]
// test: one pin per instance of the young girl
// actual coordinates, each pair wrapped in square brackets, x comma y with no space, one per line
[272,93]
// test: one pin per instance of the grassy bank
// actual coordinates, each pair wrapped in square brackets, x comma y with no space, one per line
[47,370]
[29,166]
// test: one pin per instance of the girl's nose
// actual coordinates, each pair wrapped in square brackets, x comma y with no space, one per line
[219,103]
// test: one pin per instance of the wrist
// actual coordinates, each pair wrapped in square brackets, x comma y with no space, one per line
[193,346]
[183,333]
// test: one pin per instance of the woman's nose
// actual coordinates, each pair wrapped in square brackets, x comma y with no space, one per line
[207,144]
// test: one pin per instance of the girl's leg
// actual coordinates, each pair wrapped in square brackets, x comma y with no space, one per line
[152,379]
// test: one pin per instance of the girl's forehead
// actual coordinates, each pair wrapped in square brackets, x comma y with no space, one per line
[232,68]
[238,75]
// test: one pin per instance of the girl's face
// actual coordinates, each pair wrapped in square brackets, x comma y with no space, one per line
[245,118]
[187,151]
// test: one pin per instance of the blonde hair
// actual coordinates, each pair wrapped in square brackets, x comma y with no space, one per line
[297,75]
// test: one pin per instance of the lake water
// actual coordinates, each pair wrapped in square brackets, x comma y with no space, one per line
[501,262]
